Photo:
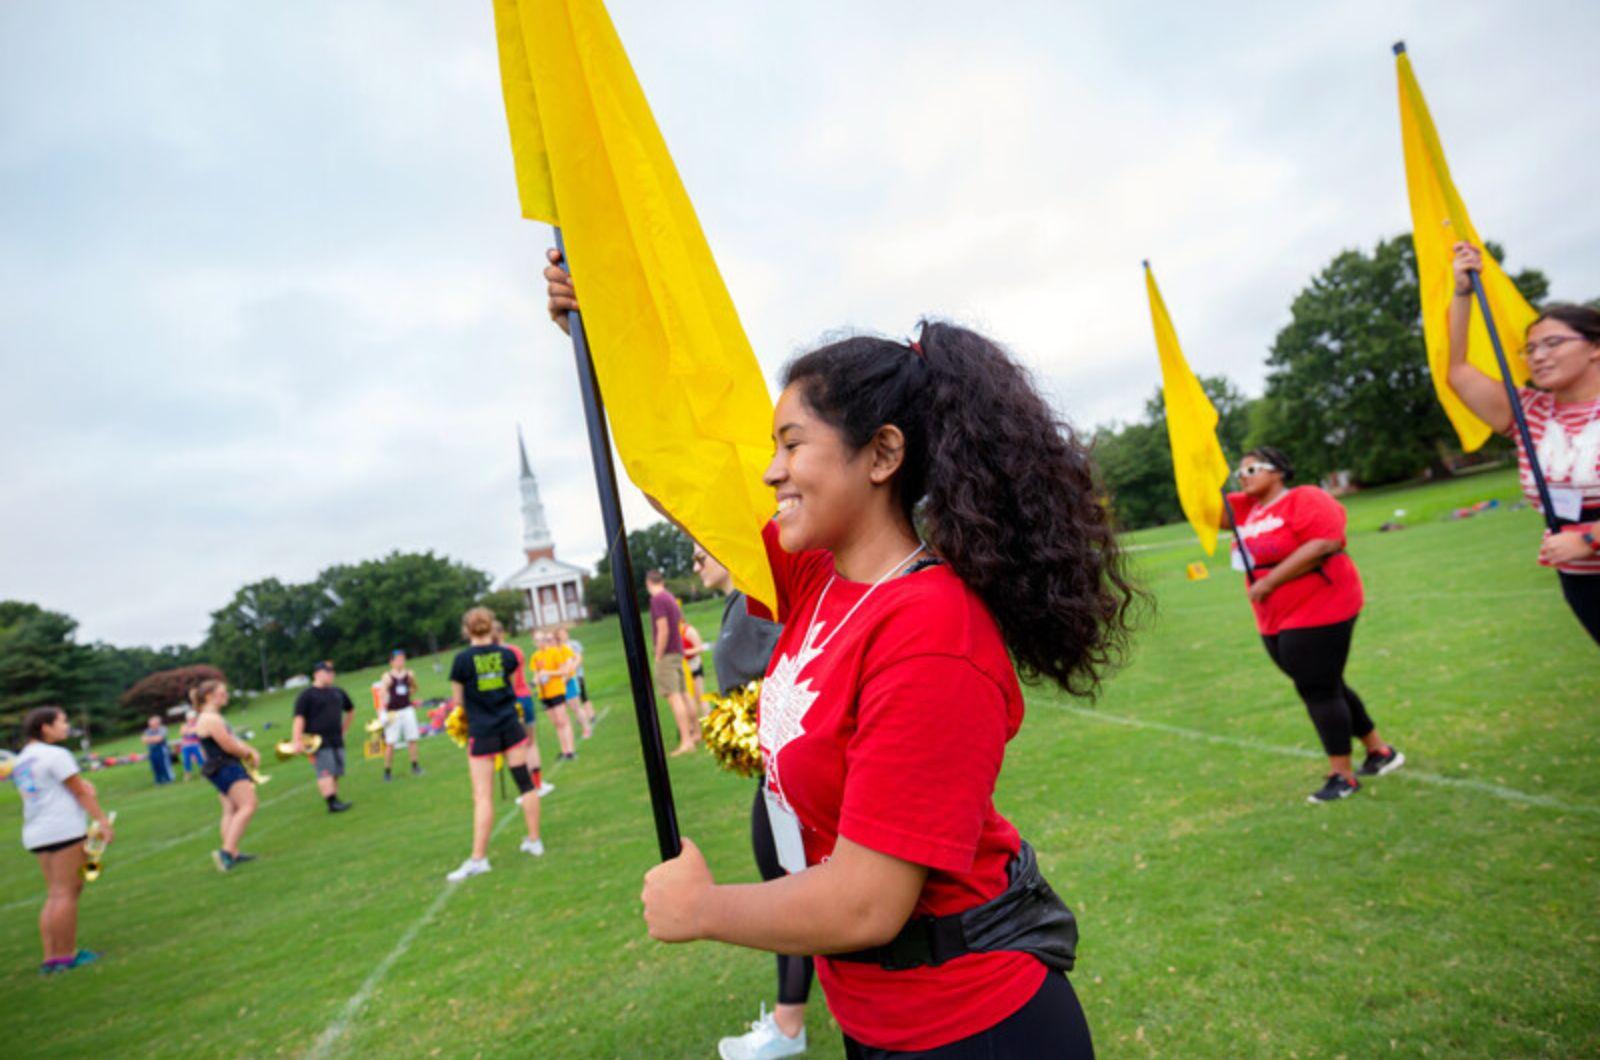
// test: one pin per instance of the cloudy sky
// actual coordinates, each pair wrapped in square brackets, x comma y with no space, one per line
[266,303]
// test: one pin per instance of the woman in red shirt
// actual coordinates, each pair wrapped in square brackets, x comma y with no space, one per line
[1306,595]
[935,520]
[1563,414]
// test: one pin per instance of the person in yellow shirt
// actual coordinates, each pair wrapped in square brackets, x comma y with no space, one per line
[552,663]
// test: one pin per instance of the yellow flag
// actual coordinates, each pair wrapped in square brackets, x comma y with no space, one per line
[689,408]
[1438,222]
[1197,461]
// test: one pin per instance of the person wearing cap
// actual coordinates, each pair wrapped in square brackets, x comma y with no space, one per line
[1306,594]
[324,710]
[396,690]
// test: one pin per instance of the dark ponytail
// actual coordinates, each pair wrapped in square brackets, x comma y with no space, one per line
[35,720]
[1003,488]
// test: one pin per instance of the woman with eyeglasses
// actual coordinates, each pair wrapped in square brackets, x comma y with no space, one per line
[1306,594]
[1563,412]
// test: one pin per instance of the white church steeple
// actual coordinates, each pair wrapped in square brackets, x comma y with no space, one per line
[536,539]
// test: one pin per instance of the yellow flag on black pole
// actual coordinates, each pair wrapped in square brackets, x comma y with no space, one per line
[1198,466]
[688,406]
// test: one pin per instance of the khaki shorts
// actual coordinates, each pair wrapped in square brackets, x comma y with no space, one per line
[400,727]
[669,675]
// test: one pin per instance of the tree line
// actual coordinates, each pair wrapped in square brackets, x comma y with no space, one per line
[1347,389]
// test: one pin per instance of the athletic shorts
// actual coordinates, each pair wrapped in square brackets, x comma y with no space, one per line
[401,727]
[583,689]
[226,777]
[669,675]
[329,761]
[506,735]
[525,705]
[572,688]
[51,848]
[552,702]
[697,668]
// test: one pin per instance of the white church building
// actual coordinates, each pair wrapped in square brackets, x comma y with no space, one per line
[553,589]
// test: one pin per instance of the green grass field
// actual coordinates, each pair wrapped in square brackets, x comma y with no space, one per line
[1448,910]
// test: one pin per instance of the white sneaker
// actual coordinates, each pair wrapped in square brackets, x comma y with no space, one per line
[763,1041]
[469,867]
[532,846]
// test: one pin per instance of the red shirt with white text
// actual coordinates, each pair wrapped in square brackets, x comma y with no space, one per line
[889,728]
[1271,532]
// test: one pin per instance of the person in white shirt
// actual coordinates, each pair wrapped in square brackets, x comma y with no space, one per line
[56,806]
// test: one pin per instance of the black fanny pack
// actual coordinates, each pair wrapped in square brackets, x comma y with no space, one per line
[1027,917]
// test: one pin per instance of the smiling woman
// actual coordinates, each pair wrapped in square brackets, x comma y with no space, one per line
[1563,414]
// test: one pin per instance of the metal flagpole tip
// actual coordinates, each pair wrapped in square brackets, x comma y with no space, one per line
[1145,263]
[1399,47]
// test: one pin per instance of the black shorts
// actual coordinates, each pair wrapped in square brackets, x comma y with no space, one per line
[553,702]
[51,848]
[583,689]
[506,735]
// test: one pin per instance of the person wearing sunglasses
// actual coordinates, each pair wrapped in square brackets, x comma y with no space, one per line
[1563,413]
[1306,594]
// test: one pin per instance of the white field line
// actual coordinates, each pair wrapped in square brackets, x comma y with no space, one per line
[1483,787]
[167,844]
[352,1008]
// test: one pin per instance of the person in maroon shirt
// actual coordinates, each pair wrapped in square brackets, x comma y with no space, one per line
[892,694]
[1306,594]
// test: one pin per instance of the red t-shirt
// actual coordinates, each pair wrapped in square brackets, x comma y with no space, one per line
[890,730]
[519,679]
[1271,532]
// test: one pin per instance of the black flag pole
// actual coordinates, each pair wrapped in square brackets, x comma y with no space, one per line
[1517,413]
[1238,543]
[634,648]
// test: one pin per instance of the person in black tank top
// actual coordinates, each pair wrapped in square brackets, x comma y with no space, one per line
[225,755]
[400,729]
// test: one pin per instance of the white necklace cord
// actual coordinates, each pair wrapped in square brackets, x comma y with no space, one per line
[890,573]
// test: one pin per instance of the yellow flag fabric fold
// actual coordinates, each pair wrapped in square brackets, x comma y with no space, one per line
[1198,465]
[1438,221]
[690,412]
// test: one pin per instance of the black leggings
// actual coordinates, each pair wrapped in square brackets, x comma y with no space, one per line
[1314,660]
[1583,596]
[1050,1025]
[794,973]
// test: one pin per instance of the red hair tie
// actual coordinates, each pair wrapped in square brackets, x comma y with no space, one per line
[915,346]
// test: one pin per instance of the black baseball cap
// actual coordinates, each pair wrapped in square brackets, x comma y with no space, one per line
[325,664]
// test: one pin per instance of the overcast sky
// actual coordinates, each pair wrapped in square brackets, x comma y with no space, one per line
[266,303]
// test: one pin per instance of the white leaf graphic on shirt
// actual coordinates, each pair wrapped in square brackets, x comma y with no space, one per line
[785,699]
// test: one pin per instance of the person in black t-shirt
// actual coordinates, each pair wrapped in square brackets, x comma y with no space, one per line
[324,710]
[480,683]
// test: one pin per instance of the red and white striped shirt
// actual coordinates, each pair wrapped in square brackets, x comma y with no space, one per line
[1567,440]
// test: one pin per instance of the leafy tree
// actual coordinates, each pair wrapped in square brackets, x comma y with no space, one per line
[269,631]
[164,688]
[41,663]
[1349,386]
[1135,460]
[394,602]
[659,546]
[508,605]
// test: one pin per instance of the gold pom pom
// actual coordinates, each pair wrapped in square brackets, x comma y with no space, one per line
[730,730]
[455,726]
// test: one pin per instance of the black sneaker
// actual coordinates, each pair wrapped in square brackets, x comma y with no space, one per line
[387,776]
[1376,765]
[241,857]
[416,770]
[338,807]
[223,860]
[1335,789]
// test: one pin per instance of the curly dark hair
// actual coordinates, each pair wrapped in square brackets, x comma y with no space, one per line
[1003,488]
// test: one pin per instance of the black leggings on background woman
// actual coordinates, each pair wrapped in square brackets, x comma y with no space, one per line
[794,973]
[1314,659]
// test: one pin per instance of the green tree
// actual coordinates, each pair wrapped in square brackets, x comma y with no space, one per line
[42,664]
[1135,460]
[659,546]
[269,631]
[1349,386]
[508,605]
